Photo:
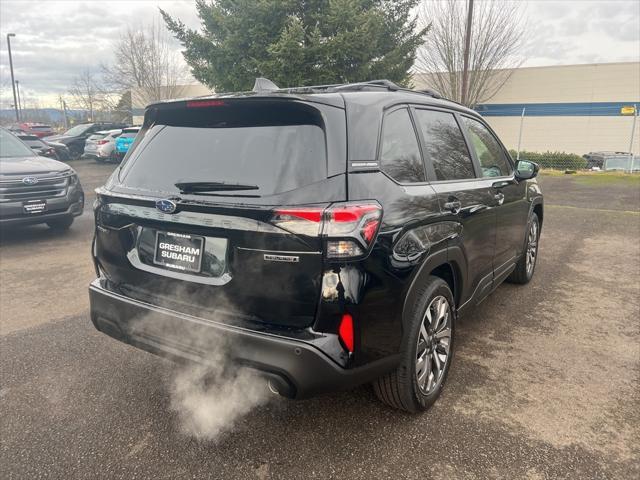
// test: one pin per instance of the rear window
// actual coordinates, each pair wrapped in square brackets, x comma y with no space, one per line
[97,136]
[41,127]
[276,149]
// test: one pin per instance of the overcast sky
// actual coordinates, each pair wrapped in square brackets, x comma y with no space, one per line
[57,40]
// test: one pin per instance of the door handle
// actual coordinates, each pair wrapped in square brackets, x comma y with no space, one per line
[453,205]
[499,197]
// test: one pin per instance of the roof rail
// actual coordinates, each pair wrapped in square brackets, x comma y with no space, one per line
[264,85]
[341,87]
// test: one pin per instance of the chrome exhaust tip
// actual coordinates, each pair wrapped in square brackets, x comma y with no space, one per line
[272,387]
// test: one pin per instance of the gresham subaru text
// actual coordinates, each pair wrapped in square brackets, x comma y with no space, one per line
[330,235]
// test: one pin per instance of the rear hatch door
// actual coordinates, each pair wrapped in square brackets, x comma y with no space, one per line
[217,209]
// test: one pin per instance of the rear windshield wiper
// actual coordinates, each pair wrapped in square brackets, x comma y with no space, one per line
[203,187]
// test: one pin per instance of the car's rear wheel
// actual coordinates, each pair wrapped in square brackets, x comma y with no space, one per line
[426,353]
[525,267]
[60,224]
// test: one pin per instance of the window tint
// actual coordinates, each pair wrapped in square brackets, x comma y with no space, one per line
[400,155]
[276,158]
[493,161]
[444,146]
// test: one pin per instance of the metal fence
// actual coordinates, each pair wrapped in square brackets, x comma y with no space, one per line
[595,136]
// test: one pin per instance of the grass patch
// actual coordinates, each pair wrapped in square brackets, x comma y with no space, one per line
[597,178]
[609,178]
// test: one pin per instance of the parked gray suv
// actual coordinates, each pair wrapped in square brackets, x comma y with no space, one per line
[36,189]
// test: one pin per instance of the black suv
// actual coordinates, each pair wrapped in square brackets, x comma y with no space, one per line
[76,136]
[326,236]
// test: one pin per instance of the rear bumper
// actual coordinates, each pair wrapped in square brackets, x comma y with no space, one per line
[294,368]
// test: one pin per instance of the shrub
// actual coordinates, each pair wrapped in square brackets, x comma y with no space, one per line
[556,160]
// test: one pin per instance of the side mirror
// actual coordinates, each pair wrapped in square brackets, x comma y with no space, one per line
[526,170]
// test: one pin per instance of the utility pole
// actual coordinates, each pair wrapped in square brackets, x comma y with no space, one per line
[520,134]
[633,131]
[64,113]
[13,83]
[19,101]
[467,45]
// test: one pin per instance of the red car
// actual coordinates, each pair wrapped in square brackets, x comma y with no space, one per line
[38,129]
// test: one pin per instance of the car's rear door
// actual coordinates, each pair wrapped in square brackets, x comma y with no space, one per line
[512,207]
[464,197]
[247,244]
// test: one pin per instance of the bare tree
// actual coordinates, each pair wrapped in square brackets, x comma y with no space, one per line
[497,40]
[86,92]
[146,63]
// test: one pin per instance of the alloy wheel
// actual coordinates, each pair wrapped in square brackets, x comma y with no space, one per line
[532,247]
[434,345]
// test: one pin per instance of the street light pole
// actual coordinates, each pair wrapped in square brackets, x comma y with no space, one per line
[13,83]
[467,45]
[19,99]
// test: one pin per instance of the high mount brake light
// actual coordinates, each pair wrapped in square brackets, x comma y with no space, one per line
[350,228]
[205,103]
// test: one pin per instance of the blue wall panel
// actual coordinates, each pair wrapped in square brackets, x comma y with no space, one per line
[602,109]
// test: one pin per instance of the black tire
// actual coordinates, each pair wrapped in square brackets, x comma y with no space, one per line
[61,224]
[400,389]
[523,273]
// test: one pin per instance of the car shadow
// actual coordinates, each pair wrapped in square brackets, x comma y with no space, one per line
[33,233]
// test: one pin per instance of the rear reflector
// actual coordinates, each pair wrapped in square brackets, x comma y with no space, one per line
[345,332]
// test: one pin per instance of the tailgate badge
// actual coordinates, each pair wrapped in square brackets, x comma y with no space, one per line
[281,258]
[166,206]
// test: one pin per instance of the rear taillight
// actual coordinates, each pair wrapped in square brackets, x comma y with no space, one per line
[349,228]
[300,220]
[102,142]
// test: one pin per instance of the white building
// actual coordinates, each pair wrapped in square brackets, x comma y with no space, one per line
[571,108]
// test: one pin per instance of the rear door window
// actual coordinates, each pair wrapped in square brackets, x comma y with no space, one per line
[399,151]
[444,145]
[493,160]
[251,147]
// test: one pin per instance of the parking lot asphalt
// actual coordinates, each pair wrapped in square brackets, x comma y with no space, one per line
[544,382]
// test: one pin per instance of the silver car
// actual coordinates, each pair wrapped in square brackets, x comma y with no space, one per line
[101,145]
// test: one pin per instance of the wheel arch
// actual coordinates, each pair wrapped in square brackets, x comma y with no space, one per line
[538,209]
[446,264]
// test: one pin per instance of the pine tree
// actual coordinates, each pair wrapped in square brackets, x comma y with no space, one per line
[295,43]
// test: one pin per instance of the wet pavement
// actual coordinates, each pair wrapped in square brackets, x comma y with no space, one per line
[544,382]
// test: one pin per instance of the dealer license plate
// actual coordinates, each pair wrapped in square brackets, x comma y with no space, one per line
[34,206]
[179,251]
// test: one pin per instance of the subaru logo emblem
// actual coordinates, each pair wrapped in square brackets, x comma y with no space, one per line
[166,206]
[29,180]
